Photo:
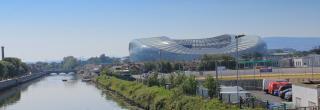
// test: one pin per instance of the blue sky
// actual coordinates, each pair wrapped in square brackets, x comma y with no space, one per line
[50,29]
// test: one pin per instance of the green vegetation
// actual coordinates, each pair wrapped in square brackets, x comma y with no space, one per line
[12,67]
[69,62]
[162,67]
[315,50]
[159,98]
[208,62]
[211,85]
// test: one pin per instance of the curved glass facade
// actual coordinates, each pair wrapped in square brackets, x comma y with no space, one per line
[164,48]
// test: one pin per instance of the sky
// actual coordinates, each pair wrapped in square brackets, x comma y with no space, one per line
[48,30]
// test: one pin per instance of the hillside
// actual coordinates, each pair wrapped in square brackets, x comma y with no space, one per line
[298,43]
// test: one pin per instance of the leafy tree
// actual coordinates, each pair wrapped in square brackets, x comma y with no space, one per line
[208,62]
[179,78]
[3,69]
[165,67]
[162,81]
[189,86]
[69,62]
[152,80]
[316,50]
[211,85]
[149,66]
[16,66]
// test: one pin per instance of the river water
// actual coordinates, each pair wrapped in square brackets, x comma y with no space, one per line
[51,93]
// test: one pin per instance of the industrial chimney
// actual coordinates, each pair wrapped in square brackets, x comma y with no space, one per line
[2,50]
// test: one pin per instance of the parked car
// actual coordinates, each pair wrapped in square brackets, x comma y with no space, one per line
[284,87]
[288,96]
[283,93]
[273,87]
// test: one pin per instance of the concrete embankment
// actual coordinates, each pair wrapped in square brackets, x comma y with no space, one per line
[16,81]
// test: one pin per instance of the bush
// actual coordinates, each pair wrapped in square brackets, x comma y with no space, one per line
[189,86]
[211,85]
[158,98]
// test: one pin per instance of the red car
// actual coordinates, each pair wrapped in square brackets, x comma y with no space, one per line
[273,87]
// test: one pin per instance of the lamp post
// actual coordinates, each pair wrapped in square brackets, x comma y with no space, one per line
[237,65]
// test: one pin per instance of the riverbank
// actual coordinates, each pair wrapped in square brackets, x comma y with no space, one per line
[156,98]
[17,81]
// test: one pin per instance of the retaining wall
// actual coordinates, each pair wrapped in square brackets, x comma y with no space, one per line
[16,81]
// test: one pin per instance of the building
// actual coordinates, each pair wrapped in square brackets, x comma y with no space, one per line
[306,96]
[312,60]
[164,48]
[276,58]
[297,62]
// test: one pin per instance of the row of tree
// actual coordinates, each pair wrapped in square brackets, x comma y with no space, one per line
[12,67]
[187,84]
[71,62]
[207,62]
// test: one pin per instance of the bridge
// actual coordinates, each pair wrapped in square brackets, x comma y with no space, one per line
[60,71]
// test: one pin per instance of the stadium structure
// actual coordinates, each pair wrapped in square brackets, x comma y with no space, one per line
[165,48]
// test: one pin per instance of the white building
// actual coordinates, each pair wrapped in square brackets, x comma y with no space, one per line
[298,62]
[305,95]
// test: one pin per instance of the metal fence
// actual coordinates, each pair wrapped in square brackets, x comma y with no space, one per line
[308,108]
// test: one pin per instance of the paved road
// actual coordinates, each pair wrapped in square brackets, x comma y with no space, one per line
[261,95]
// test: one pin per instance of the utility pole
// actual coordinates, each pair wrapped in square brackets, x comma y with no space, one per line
[237,65]
[312,61]
[2,50]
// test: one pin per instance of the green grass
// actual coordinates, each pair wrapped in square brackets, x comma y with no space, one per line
[159,98]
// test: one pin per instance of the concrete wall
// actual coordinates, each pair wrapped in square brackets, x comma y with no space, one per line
[305,94]
[16,81]
[8,83]
[248,84]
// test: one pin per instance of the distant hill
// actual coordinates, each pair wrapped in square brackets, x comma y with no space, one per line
[298,43]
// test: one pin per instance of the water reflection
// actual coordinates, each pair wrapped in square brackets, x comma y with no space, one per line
[51,93]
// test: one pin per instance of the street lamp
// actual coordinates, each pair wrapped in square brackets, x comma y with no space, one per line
[237,65]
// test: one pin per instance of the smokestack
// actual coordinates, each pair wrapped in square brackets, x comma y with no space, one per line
[2,49]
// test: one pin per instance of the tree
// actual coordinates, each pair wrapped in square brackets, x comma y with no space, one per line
[152,80]
[69,62]
[16,66]
[104,59]
[208,61]
[165,67]
[189,86]
[316,50]
[211,85]
[162,81]
[149,66]
[179,78]
[3,70]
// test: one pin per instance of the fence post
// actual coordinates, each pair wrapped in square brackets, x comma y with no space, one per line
[253,100]
[229,100]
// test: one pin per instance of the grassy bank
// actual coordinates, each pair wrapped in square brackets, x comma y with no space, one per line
[158,98]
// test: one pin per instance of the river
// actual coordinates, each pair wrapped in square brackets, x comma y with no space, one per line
[51,93]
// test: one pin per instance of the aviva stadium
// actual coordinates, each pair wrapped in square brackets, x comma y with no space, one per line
[165,48]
